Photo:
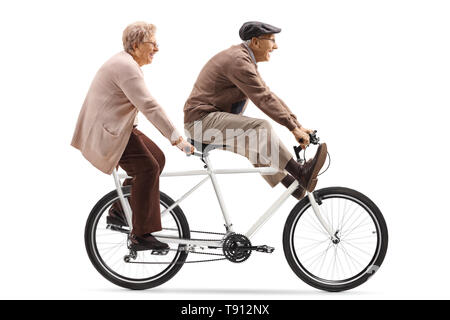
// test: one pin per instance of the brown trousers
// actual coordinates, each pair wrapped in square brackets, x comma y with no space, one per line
[144,161]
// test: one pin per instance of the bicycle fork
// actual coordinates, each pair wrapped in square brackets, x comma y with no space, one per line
[325,225]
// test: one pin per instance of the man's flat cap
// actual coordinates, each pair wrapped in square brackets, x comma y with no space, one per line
[255,29]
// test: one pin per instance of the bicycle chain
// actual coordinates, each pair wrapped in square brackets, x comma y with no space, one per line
[192,231]
[198,261]
[193,252]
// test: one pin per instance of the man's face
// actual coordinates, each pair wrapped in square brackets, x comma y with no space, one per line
[262,46]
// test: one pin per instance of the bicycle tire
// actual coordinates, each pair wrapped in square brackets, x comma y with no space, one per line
[104,270]
[307,275]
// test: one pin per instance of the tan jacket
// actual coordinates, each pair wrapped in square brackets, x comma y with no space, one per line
[104,125]
[225,83]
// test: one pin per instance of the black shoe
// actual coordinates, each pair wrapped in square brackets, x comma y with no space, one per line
[147,242]
[116,217]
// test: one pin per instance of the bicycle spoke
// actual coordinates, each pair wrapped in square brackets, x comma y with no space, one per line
[106,250]
[332,218]
[357,258]
[318,256]
[318,227]
[350,256]
[321,257]
[111,252]
[345,271]
[314,245]
[111,243]
[351,228]
[350,217]
[349,262]
[119,259]
[339,214]
[369,223]
[324,210]
[373,235]
[359,249]
[110,234]
[366,231]
[306,238]
[324,258]
[313,257]
[341,225]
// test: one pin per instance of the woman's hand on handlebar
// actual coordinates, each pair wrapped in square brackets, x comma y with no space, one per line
[184,146]
[302,136]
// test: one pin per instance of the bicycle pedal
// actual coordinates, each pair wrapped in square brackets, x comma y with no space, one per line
[139,248]
[117,228]
[159,252]
[265,249]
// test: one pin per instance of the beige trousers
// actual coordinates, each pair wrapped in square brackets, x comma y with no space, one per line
[250,137]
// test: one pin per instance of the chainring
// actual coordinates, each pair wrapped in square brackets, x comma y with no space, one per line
[233,248]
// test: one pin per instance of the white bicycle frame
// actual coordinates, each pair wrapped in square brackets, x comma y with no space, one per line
[210,174]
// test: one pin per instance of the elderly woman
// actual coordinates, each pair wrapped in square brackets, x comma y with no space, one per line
[107,136]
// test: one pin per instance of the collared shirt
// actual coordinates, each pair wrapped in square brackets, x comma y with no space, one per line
[250,51]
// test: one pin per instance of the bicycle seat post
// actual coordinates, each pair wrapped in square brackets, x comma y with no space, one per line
[218,191]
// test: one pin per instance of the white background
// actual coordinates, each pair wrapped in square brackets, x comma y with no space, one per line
[371,76]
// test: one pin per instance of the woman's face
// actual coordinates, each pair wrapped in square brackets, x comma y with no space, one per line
[144,52]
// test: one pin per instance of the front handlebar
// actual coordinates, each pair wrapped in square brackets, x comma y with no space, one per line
[313,139]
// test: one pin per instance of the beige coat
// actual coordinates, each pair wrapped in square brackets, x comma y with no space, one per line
[104,125]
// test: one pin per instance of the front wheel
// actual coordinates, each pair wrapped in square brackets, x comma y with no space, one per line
[362,240]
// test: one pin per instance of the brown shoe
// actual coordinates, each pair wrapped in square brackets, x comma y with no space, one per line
[310,170]
[147,242]
[298,193]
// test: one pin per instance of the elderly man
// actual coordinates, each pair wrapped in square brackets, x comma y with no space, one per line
[218,100]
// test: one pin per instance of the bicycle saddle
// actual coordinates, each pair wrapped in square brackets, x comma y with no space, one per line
[205,147]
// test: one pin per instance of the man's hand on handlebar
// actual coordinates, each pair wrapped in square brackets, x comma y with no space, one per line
[302,136]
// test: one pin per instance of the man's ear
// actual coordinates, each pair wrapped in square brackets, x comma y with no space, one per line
[255,42]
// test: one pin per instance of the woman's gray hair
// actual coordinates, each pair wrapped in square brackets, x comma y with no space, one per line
[136,33]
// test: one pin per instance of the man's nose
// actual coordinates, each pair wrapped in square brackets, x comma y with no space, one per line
[275,46]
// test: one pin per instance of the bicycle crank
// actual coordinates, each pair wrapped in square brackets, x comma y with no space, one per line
[237,248]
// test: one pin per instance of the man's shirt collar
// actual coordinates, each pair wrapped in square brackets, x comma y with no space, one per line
[251,52]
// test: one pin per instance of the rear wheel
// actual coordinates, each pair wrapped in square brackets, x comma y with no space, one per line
[344,264]
[108,250]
